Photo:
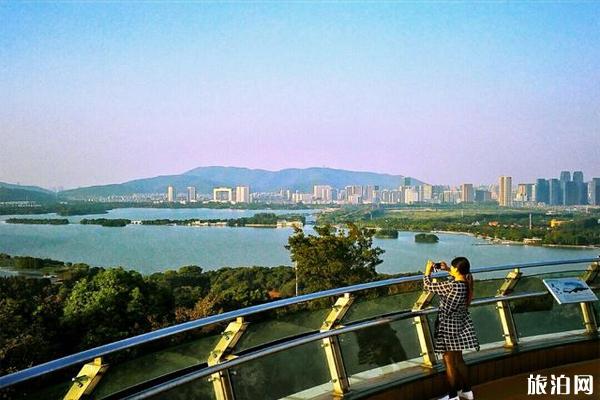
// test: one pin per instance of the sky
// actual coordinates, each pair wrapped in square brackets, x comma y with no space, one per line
[447,92]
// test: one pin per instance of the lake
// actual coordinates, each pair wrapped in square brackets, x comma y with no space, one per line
[157,248]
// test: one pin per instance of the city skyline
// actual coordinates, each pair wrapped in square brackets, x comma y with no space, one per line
[96,93]
[514,182]
[544,192]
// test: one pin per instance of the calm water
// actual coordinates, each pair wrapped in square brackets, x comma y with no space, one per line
[156,248]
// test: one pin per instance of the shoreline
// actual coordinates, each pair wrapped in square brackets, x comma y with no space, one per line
[504,242]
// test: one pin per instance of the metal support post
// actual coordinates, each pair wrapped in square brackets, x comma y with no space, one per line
[587,312]
[423,332]
[509,330]
[86,379]
[222,352]
[589,319]
[591,272]
[331,345]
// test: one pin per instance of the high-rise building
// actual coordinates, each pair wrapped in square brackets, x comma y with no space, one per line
[242,194]
[370,194]
[582,190]
[397,196]
[437,192]
[354,190]
[222,194]
[565,176]
[555,192]
[411,195]
[505,191]
[583,193]
[525,192]
[171,194]
[385,196]
[354,199]
[467,195]
[521,194]
[542,194]
[482,196]
[191,194]
[594,189]
[388,196]
[451,196]
[426,192]
[305,198]
[570,193]
[286,194]
[322,193]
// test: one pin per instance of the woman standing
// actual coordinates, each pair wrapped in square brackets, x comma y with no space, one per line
[454,330]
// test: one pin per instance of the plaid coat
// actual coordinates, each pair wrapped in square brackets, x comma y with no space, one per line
[454,329]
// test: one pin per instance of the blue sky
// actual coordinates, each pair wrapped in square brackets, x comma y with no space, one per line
[448,92]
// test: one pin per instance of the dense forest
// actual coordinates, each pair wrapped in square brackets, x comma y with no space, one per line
[76,307]
[108,222]
[38,221]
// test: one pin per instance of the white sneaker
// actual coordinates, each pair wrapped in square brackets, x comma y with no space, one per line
[466,395]
[447,397]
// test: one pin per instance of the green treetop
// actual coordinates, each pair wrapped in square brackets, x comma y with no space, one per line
[334,258]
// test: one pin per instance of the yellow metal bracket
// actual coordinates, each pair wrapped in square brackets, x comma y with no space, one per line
[422,326]
[331,345]
[509,330]
[591,272]
[86,379]
[587,312]
[222,352]
[424,300]
[510,282]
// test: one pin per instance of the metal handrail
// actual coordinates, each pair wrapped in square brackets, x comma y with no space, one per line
[356,326]
[82,357]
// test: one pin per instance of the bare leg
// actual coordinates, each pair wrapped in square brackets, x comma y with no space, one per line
[452,372]
[465,382]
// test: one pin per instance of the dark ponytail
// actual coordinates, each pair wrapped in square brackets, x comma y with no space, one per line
[464,267]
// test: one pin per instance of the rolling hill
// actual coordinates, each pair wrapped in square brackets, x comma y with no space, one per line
[12,192]
[205,178]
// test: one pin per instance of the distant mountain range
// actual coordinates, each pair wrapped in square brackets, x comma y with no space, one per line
[206,178]
[11,192]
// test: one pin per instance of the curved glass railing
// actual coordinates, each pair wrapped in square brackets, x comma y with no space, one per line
[333,341]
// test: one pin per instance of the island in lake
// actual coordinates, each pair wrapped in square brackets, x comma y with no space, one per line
[385,233]
[426,238]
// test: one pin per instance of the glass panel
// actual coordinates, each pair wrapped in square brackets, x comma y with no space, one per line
[596,280]
[487,324]
[282,374]
[385,300]
[596,306]
[378,346]
[148,366]
[283,323]
[199,389]
[486,321]
[486,288]
[542,315]
[52,386]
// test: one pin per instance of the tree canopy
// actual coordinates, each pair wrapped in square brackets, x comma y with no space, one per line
[334,258]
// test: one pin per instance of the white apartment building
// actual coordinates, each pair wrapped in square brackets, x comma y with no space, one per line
[171,194]
[242,194]
[223,195]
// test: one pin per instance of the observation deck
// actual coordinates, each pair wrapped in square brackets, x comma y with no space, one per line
[368,341]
